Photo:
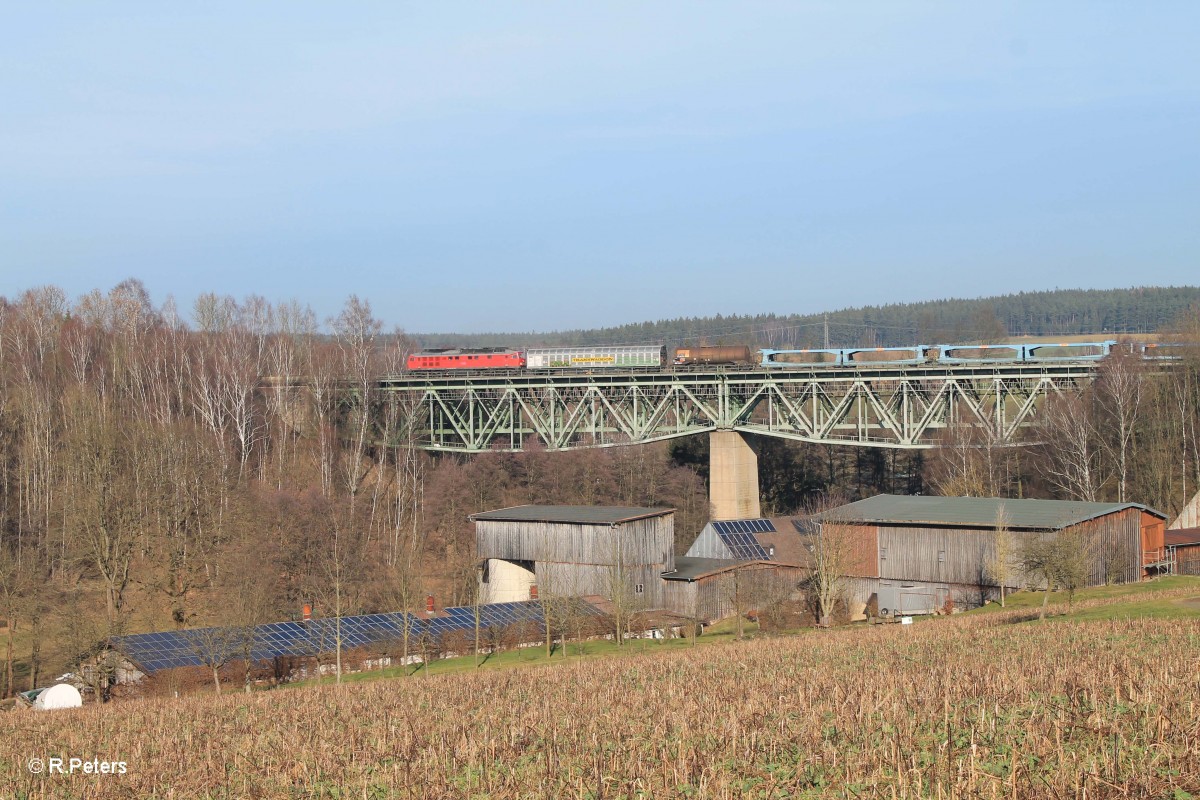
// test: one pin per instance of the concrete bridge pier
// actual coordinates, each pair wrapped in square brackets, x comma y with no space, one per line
[732,477]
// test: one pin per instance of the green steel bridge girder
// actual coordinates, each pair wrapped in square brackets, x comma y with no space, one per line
[898,407]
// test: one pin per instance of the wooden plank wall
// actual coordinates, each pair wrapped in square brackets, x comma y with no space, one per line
[1116,545]
[911,553]
[711,598]
[568,579]
[1153,533]
[682,597]
[709,545]
[643,541]
[861,544]
[1187,560]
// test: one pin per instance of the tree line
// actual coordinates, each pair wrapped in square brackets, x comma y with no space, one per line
[1061,312]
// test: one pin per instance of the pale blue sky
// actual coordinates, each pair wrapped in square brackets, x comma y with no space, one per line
[498,166]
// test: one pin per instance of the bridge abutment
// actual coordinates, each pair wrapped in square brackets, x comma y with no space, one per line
[732,477]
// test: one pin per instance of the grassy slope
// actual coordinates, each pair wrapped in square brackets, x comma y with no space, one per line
[536,656]
[1175,597]
[1167,597]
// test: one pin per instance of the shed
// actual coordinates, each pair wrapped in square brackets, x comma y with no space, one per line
[940,547]
[1183,550]
[575,550]
[710,589]
[743,562]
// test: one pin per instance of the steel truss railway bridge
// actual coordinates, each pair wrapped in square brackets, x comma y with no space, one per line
[907,406]
[897,407]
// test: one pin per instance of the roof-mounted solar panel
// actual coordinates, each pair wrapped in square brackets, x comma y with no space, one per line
[738,536]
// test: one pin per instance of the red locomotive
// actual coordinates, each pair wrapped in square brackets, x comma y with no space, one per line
[464,358]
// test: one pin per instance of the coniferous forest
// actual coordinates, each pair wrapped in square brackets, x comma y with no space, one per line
[1061,312]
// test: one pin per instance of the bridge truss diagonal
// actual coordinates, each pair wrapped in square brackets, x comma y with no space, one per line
[895,407]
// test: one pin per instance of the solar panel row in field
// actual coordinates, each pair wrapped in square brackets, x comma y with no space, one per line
[205,646]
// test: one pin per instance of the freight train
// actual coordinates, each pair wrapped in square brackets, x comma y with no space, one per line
[644,357]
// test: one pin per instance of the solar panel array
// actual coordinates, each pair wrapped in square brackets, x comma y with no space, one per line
[738,536]
[193,648]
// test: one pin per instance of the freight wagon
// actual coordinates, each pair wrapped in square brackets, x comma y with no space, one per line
[732,354]
[619,357]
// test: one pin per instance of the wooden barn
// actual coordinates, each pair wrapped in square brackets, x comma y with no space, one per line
[911,554]
[711,589]
[575,550]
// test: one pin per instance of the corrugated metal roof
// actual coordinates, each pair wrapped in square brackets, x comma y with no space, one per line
[791,541]
[690,568]
[583,515]
[973,512]
[1182,537]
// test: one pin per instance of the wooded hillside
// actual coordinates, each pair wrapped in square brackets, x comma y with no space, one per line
[1060,312]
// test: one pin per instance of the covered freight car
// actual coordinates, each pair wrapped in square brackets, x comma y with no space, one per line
[612,357]
[729,354]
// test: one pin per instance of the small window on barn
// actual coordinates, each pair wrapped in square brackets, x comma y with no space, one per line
[639,588]
[882,553]
[941,556]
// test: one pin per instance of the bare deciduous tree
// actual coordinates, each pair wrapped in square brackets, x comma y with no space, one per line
[833,552]
[1118,391]
[216,647]
[1000,568]
[1062,559]
[1070,456]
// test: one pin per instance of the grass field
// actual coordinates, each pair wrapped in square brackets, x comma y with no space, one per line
[1161,597]
[536,656]
[992,705]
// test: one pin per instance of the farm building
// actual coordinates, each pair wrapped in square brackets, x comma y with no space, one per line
[912,554]
[575,550]
[1183,550]
[705,578]
[738,565]
[711,589]
[281,651]
[585,550]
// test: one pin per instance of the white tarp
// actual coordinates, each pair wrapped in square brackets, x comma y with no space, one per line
[60,695]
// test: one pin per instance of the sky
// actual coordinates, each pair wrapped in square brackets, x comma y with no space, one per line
[537,166]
